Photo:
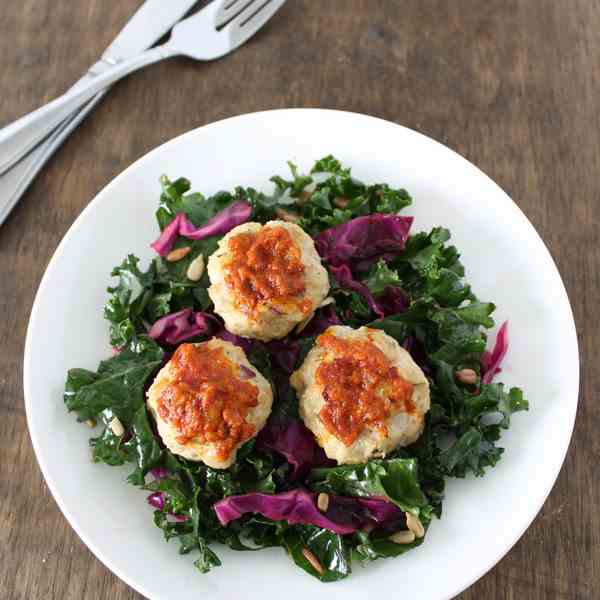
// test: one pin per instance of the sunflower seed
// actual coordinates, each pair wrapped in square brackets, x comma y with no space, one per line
[402,537]
[196,269]
[178,254]
[117,427]
[466,376]
[312,559]
[323,502]
[286,215]
[415,525]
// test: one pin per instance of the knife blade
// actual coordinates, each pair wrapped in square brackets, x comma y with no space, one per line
[150,22]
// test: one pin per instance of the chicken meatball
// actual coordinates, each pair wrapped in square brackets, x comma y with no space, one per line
[361,394]
[208,400]
[265,279]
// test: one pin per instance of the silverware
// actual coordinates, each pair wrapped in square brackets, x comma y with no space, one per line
[152,20]
[226,25]
[216,30]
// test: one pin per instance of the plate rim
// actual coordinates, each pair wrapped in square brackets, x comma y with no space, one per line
[58,252]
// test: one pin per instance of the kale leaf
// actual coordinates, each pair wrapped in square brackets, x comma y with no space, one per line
[328,547]
[397,479]
[117,385]
[381,276]
[130,299]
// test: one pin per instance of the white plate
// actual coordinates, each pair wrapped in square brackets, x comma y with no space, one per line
[506,262]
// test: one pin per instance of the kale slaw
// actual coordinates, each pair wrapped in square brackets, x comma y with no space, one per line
[410,285]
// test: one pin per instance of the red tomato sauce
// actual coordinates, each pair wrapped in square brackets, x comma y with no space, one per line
[361,388]
[207,399]
[266,267]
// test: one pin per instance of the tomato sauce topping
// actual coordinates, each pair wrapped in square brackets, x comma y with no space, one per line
[207,399]
[266,267]
[361,388]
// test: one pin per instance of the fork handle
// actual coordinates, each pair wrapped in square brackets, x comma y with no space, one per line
[27,127]
[14,183]
[23,140]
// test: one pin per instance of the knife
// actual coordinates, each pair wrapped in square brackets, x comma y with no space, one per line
[152,20]
[148,24]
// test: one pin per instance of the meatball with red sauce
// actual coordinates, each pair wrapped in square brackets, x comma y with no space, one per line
[361,394]
[266,279]
[208,400]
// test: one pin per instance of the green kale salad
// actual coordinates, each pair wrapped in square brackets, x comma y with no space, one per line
[282,490]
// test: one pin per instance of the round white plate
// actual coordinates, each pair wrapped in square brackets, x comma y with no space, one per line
[505,260]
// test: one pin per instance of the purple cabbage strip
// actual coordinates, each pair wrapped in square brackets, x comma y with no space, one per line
[295,507]
[223,222]
[299,507]
[284,353]
[382,511]
[354,246]
[363,239]
[393,301]
[295,442]
[157,500]
[180,326]
[345,279]
[169,234]
[490,361]
[159,473]
[360,511]
[244,343]
[417,351]
[173,518]
[246,373]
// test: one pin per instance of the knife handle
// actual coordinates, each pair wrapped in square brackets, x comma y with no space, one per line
[23,140]
[22,135]
[14,183]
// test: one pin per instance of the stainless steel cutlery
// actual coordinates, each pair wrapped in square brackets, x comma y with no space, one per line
[214,31]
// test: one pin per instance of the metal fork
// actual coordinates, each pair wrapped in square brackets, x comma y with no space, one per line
[218,29]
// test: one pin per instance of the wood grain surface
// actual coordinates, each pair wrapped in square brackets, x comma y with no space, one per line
[513,85]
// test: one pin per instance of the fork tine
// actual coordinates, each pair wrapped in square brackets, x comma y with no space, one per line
[251,19]
[229,9]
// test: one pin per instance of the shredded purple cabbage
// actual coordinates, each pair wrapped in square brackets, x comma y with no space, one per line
[295,442]
[244,343]
[417,351]
[364,239]
[157,500]
[360,511]
[490,361]
[173,518]
[382,511]
[159,473]
[393,300]
[246,373]
[284,353]
[223,222]
[343,514]
[354,246]
[180,326]
[345,279]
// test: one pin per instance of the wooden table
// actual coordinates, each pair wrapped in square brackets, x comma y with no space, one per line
[513,85]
